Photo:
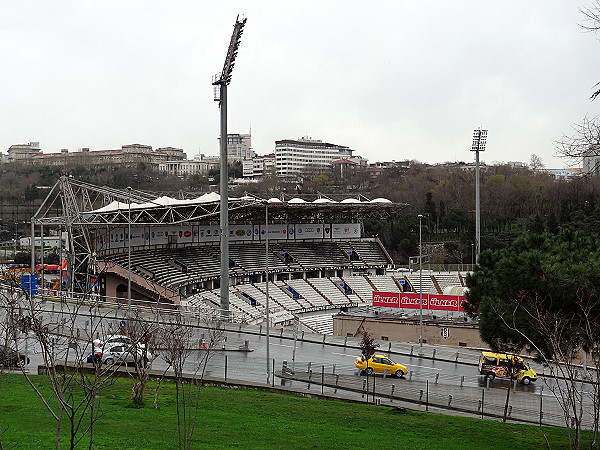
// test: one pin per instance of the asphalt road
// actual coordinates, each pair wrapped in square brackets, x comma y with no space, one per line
[439,377]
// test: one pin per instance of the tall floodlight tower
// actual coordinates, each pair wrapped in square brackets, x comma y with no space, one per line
[220,82]
[479,138]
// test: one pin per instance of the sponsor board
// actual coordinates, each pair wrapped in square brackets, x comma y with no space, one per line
[345,230]
[412,300]
[177,234]
[309,230]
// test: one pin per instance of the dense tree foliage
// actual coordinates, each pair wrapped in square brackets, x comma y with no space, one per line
[541,284]
[513,200]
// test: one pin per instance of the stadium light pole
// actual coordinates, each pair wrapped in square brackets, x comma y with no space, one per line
[267,287]
[129,247]
[420,282]
[221,81]
[479,138]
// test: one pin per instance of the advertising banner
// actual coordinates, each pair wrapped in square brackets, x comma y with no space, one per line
[389,299]
[183,234]
[309,230]
[412,300]
[345,230]
[158,235]
[276,231]
[240,232]
[209,233]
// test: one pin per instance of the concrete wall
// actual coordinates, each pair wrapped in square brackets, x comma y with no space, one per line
[458,335]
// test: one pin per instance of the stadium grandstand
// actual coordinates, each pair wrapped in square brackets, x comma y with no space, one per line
[131,246]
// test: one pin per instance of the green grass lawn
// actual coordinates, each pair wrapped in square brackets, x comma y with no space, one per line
[243,418]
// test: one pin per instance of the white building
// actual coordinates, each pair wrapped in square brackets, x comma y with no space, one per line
[258,166]
[186,168]
[293,157]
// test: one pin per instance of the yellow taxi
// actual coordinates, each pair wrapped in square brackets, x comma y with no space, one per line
[380,364]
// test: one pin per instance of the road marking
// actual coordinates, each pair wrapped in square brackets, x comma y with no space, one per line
[344,354]
[283,345]
[423,367]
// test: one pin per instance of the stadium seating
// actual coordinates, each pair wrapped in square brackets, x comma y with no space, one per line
[329,290]
[289,295]
[428,285]
[384,283]
[311,297]
[322,323]
[362,287]
[446,279]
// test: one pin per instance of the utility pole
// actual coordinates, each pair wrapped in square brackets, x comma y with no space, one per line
[221,81]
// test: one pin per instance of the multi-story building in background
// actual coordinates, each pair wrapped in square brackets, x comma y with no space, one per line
[294,157]
[23,152]
[186,167]
[127,156]
[258,166]
[239,147]
[166,159]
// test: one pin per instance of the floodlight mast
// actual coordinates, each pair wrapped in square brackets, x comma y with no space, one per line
[479,138]
[221,81]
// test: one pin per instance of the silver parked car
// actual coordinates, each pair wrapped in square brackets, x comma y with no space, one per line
[119,353]
[120,349]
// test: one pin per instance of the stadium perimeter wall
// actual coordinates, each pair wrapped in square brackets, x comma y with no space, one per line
[403,330]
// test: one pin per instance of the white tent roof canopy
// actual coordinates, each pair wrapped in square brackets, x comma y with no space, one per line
[213,197]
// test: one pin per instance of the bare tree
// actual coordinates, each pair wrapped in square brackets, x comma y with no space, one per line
[562,357]
[177,344]
[535,163]
[55,327]
[367,345]
[142,330]
[367,348]
[592,24]
[584,141]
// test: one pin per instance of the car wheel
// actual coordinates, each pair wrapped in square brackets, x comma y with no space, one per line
[369,371]
[490,376]
[399,373]
[526,380]
[109,361]
[20,361]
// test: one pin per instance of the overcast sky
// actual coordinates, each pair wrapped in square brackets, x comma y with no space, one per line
[392,80]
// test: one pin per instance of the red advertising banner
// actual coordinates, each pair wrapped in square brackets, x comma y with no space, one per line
[433,302]
[389,299]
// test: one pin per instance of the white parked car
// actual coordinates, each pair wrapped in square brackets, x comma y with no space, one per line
[118,354]
[121,349]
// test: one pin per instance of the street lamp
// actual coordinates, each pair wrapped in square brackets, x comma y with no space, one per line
[267,285]
[129,247]
[479,138]
[421,281]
